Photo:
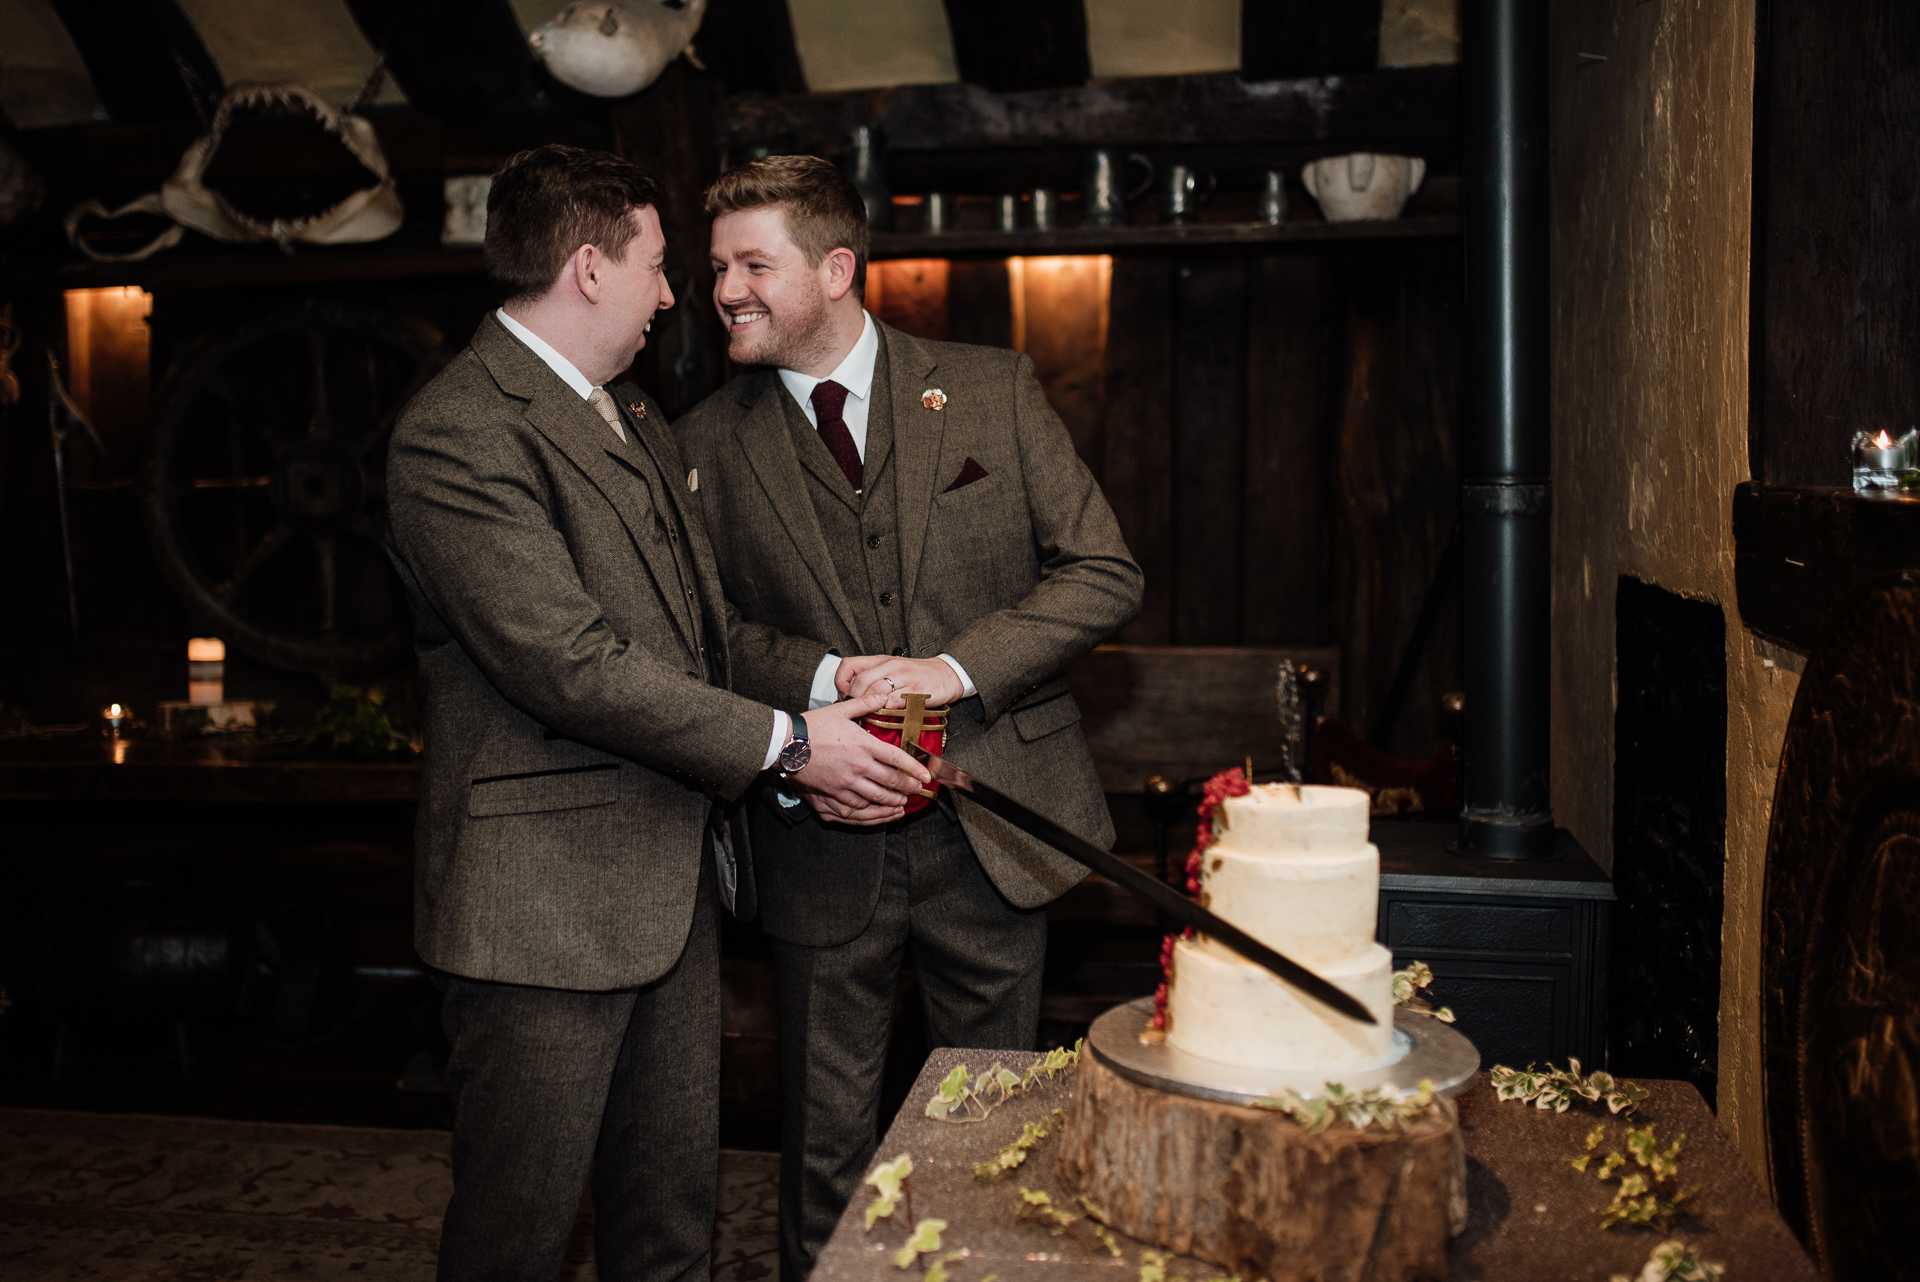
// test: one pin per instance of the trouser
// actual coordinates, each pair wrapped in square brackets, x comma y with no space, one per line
[978,960]
[549,1085]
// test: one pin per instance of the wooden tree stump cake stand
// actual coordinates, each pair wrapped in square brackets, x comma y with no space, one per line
[1251,1190]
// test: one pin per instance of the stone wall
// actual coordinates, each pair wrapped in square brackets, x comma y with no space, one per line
[1652,146]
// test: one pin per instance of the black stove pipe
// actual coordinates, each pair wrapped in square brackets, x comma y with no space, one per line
[1506,488]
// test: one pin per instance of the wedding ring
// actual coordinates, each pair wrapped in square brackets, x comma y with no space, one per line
[891,683]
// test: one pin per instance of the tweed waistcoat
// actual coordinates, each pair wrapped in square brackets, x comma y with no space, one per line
[861,529]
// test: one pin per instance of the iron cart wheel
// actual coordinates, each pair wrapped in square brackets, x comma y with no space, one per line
[265,482]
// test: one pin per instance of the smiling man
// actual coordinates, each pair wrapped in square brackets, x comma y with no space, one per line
[917,508]
[573,846]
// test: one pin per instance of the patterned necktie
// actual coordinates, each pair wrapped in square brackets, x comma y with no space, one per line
[603,404]
[829,405]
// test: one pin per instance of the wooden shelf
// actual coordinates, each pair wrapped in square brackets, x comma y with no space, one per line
[237,266]
[1799,551]
[1100,240]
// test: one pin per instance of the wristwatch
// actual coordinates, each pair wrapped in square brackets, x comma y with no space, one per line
[796,752]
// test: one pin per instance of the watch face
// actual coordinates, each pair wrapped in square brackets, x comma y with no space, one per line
[796,755]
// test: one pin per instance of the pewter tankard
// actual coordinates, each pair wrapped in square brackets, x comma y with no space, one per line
[1102,202]
[1183,191]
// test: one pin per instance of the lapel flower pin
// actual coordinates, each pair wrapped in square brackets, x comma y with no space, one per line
[933,398]
[639,408]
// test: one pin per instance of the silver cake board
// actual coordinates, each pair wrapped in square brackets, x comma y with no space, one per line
[1423,1049]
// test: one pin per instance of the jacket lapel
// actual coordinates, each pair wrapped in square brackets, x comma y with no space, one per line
[768,444]
[918,434]
[578,432]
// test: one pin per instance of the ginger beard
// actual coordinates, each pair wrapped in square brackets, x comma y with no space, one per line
[772,301]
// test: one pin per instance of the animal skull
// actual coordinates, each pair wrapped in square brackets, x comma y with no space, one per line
[612,48]
[369,213]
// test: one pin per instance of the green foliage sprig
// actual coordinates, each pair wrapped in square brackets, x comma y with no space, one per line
[1038,1206]
[1407,986]
[1675,1261]
[1032,1135]
[353,725]
[961,1092]
[1557,1089]
[890,1179]
[1384,1106]
[1638,1200]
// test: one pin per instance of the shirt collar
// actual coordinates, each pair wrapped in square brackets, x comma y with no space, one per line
[855,373]
[555,361]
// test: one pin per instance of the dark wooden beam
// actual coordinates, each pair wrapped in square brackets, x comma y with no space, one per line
[1010,45]
[668,128]
[468,66]
[1282,38]
[1798,553]
[1376,107]
[748,46]
[146,59]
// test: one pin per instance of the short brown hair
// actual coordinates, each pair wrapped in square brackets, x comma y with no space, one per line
[823,211]
[547,202]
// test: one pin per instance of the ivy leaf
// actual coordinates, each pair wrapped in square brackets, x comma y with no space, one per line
[937,1271]
[925,1237]
[1153,1267]
[887,1178]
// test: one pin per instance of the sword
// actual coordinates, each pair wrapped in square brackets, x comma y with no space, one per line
[1131,879]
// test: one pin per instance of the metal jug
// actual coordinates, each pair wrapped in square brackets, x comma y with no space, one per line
[863,168]
[1184,190]
[1102,202]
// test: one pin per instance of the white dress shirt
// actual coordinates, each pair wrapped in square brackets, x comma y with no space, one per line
[855,373]
[572,377]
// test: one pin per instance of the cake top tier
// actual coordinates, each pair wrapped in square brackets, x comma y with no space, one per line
[1279,816]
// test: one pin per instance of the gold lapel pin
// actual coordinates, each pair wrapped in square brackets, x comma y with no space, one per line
[639,408]
[933,398]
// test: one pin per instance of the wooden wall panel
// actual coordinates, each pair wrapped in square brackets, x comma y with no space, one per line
[1209,448]
[979,309]
[1137,472]
[910,294]
[1836,324]
[1395,479]
[1283,583]
[1062,326]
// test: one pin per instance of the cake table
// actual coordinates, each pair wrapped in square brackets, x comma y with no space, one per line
[1529,1214]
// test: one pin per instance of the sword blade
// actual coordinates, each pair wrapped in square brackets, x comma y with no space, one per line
[1152,889]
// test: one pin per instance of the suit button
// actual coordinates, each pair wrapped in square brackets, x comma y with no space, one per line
[899,652]
[673,534]
[886,598]
[689,594]
[873,540]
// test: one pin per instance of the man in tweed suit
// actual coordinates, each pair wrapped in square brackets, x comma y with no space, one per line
[581,744]
[916,507]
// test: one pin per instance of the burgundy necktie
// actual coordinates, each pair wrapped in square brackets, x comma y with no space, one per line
[829,406]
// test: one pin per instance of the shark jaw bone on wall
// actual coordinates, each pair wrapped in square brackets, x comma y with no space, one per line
[351,202]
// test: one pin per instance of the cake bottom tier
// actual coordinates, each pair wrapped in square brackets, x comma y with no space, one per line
[1224,1008]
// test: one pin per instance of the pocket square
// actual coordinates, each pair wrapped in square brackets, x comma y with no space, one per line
[970,472]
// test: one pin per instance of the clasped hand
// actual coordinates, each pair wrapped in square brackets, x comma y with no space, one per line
[869,784]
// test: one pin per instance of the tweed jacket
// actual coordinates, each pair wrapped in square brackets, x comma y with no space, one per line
[574,750]
[1015,575]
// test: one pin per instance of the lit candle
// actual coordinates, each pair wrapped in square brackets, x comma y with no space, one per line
[1878,460]
[206,671]
[117,720]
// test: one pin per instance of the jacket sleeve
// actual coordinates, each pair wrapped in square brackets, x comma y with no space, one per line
[1089,585]
[770,665]
[470,528]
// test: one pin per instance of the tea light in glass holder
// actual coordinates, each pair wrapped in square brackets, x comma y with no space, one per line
[116,720]
[1879,459]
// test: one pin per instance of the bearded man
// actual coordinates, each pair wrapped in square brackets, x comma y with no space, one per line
[918,508]
[582,747]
